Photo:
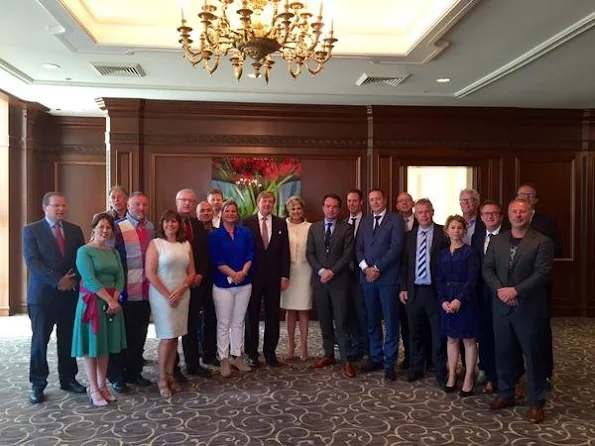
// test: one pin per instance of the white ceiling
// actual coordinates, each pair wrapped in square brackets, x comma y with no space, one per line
[502,53]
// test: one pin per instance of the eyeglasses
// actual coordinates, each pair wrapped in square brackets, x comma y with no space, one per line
[490,214]
[467,200]
[525,195]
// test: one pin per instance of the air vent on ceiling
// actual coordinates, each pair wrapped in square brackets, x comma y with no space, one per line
[374,79]
[119,70]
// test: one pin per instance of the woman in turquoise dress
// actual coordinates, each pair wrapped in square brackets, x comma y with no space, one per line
[99,322]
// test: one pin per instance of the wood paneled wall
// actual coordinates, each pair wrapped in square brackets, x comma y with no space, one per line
[162,146]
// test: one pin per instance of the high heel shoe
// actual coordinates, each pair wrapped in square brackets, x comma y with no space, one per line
[107,395]
[464,394]
[451,389]
[173,385]
[96,398]
[164,389]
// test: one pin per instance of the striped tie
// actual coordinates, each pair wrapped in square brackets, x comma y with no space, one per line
[422,267]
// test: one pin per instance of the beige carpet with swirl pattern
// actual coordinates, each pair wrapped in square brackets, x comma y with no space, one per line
[296,404]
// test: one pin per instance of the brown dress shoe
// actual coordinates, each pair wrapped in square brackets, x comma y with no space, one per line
[536,414]
[324,362]
[490,387]
[501,403]
[349,370]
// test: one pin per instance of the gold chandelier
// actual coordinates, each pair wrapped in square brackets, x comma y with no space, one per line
[290,29]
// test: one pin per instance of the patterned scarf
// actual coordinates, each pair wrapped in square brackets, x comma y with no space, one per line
[136,241]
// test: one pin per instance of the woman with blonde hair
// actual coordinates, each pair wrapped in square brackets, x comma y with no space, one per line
[297,298]
[457,273]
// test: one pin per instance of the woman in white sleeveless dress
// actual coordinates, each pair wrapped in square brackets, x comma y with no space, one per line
[170,269]
[297,298]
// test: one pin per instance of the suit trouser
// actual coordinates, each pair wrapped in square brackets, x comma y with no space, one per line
[405,333]
[129,364]
[359,343]
[43,318]
[270,294]
[208,339]
[332,303]
[190,340]
[517,337]
[382,303]
[423,310]
[487,347]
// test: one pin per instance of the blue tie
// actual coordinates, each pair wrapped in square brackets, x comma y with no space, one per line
[422,267]
[376,223]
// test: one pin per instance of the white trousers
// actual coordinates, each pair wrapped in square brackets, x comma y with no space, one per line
[230,306]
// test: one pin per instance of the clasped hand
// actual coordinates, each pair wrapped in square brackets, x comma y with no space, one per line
[508,295]
[452,307]
[67,282]
[371,274]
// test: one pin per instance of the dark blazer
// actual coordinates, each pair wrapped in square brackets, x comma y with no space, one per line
[407,273]
[272,263]
[478,238]
[336,259]
[382,249]
[46,263]
[547,226]
[200,248]
[529,273]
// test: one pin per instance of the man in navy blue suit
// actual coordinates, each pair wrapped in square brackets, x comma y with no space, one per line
[378,251]
[49,248]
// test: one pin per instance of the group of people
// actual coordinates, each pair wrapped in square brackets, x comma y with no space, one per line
[204,274]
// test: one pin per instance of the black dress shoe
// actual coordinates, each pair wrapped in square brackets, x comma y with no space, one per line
[139,381]
[73,386]
[272,361]
[179,376]
[371,366]
[119,387]
[414,375]
[199,371]
[390,375]
[212,361]
[36,396]
[254,363]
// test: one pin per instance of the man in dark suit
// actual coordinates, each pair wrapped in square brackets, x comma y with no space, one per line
[197,236]
[547,226]
[516,268]
[418,291]
[329,251]
[494,223]
[404,208]
[270,276]
[378,252]
[359,345]
[49,249]
[208,336]
[469,200]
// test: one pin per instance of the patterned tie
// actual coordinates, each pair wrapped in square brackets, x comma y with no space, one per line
[486,243]
[376,223]
[59,237]
[188,230]
[353,219]
[264,231]
[422,268]
[327,236]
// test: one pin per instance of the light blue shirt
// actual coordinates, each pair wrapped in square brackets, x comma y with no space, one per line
[333,224]
[427,280]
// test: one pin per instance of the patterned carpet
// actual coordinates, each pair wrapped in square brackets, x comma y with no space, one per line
[296,405]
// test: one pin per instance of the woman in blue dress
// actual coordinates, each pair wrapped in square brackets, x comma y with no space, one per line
[457,274]
[99,323]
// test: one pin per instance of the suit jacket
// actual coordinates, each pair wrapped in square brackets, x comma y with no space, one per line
[381,249]
[478,238]
[273,263]
[46,263]
[547,226]
[200,249]
[528,273]
[408,260]
[338,257]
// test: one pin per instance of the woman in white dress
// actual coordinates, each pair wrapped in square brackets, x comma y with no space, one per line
[297,298]
[170,269]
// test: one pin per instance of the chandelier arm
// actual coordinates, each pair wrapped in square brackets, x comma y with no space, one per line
[212,69]
[315,71]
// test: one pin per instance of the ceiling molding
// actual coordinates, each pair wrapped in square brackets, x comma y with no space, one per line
[574,30]
[15,72]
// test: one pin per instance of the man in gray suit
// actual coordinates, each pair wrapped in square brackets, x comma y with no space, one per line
[329,251]
[516,268]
